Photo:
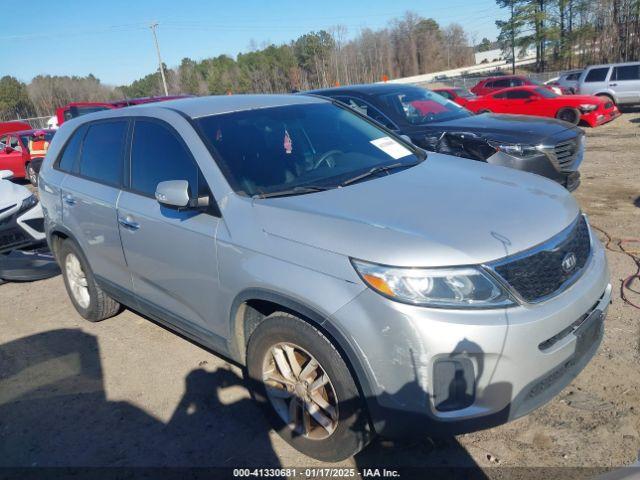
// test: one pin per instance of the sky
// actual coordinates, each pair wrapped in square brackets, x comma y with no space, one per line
[112,39]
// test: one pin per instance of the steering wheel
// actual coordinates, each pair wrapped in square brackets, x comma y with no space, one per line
[325,159]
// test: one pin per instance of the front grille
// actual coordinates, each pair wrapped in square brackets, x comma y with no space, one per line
[566,154]
[540,273]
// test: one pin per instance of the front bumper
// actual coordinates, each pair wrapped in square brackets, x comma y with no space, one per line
[518,357]
[540,165]
[600,116]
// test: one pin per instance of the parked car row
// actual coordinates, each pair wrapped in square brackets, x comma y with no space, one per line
[369,286]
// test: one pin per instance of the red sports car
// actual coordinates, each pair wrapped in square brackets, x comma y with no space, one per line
[493,84]
[457,94]
[541,102]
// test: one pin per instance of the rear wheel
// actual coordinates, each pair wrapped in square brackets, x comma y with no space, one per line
[32,175]
[86,295]
[570,115]
[306,389]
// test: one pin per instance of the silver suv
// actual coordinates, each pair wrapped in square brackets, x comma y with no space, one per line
[620,82]
[369,288]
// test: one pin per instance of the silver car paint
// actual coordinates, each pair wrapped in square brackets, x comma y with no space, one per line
[623,92]
[446,211]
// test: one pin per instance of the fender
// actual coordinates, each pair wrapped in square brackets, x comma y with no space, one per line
[310,315]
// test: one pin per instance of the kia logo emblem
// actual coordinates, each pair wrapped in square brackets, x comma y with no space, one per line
[569,262]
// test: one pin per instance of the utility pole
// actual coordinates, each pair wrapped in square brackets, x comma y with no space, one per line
[153,27]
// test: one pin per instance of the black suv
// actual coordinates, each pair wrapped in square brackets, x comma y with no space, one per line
[548,147]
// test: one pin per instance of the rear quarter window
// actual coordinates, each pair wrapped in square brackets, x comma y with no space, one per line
[67,162]
[626,72]
[596,75]
[102,152]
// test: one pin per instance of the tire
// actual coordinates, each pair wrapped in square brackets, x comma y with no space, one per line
[32,175]
[569,115]
[96,305]
[349,433]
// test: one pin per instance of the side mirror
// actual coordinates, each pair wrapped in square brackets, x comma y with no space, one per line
[407,138]
[8,150]
[175,194]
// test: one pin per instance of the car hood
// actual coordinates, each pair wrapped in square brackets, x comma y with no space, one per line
[445,211]
[11,194]
[505,128]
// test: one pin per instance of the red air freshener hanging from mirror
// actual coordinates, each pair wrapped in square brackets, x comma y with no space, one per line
[288,144]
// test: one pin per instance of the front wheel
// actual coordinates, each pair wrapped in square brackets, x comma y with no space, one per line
[306,389]
[32,175]
[570,115]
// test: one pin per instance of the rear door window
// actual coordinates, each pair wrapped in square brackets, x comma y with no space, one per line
[626,72]
[158,155]
[597,75]
[102,152]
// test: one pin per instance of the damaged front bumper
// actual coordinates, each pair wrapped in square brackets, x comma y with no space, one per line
[441,371]
[477,147]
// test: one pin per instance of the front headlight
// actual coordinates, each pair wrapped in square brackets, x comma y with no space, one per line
[28,202]
[453,287]
[587,107]
[516,149]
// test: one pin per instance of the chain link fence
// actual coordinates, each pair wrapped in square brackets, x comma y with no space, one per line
[470,81]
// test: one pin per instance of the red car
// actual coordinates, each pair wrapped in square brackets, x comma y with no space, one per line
[14,152]
[14,126]
[493,84]
[75,109]
[541,102]
[457,94]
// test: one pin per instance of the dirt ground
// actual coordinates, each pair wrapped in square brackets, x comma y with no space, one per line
[126,392]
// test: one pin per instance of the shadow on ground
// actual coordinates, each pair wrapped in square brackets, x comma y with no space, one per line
[54,409]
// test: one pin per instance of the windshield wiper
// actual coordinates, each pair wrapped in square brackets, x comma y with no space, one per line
[376,170]
[300,190]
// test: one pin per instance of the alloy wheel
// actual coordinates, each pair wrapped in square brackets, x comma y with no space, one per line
[77,280]
[300,391]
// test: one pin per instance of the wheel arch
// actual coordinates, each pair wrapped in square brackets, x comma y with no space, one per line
[253,305]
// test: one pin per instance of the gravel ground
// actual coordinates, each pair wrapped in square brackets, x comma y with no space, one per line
[127,392]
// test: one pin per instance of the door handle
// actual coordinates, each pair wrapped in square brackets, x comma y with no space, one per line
[68,199]
[613,84]
[128,222]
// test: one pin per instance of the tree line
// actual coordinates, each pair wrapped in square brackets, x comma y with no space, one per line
[571,33]
[409,45]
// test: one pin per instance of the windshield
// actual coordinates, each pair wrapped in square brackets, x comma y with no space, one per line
[463,92]
[310,146]
[546,93]
[419,106]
